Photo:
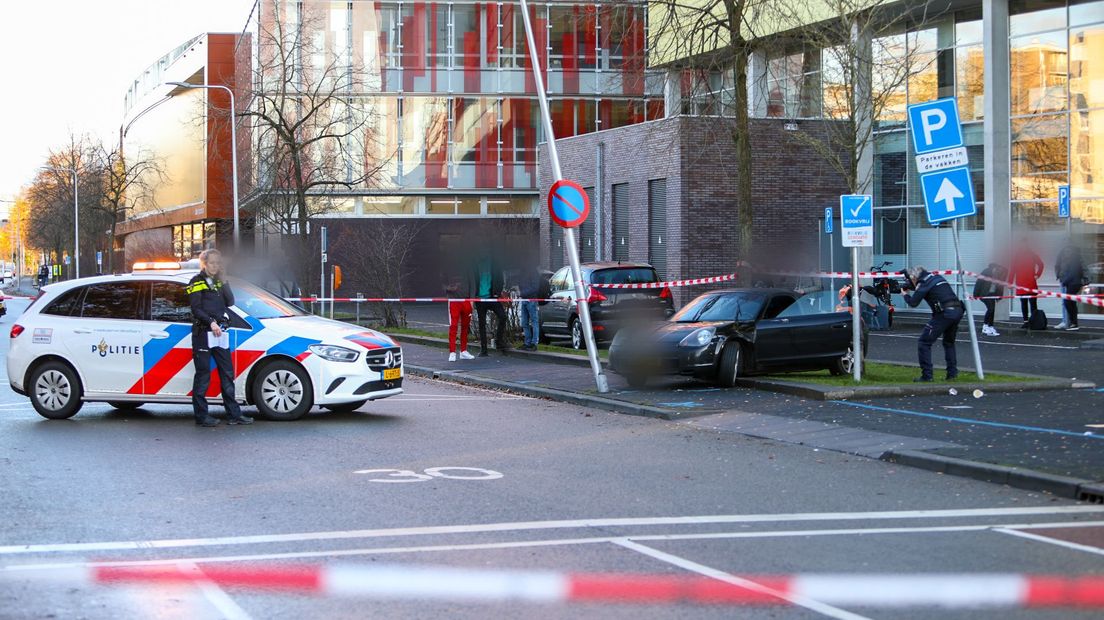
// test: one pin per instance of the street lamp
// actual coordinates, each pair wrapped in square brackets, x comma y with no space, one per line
[76,214]
[233,145]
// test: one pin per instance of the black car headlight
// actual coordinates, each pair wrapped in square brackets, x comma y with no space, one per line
[699,337]
[333,353]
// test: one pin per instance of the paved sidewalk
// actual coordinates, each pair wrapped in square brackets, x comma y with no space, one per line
[1043,431]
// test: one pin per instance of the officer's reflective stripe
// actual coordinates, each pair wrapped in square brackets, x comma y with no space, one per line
[197,287]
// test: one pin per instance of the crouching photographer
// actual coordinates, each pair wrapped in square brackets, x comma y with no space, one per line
[947,311]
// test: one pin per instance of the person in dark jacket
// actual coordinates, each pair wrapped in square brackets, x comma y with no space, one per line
[529,287]
[1071,274]
[210,298]
[989,292]
[947,310]
[487,276]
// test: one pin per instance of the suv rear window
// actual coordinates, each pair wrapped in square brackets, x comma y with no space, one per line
[66,303]
[624,275]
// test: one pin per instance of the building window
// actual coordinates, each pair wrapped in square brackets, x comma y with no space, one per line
[621,221]
[892,233]
[657,226]
[191,239]
[587,241]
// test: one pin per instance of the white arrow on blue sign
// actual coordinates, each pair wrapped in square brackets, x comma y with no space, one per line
[1063,201]
[948,194]
[935,125]
[828,220]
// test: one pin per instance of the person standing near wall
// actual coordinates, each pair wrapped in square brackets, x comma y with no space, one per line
[1026,269]
[1070,271]
[458,288]
[989,292]
[529,287]
[487,277]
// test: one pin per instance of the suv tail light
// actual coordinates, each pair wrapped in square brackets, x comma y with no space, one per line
[665,293]
[16,330]
[595,296]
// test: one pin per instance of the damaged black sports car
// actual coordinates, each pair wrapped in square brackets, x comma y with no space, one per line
[723,335]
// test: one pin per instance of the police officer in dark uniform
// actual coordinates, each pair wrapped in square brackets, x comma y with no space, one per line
[947,310]
[210,298]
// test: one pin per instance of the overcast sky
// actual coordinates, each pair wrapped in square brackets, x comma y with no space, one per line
[65,66]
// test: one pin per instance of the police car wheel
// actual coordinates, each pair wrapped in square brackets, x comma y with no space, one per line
[282,391]
[55,391]
[345,407]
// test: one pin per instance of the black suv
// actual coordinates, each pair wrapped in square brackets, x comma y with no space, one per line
[610,308]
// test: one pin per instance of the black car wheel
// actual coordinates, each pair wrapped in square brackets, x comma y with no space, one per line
[282,391]
[124,405]
[844,365]
[577,340]
[55,391]
[345,407]
[731,365]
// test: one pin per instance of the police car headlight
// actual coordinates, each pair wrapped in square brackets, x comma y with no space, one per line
[699,337]
[333,353]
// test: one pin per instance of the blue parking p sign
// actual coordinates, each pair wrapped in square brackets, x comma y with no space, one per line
[948,194]
[828,220]
[935,125]
[1063,201]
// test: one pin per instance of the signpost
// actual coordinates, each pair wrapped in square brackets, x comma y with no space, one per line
[828,220]
[944,169]
[99,261]
[322,272]
[564,190]
[857,226]
[829,226]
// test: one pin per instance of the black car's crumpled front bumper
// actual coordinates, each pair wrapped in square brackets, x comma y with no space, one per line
[629,356]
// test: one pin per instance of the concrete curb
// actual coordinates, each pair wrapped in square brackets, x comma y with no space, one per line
[815,392]
[574,398]
[1061,486]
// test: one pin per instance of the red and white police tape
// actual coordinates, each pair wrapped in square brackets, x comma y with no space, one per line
[482,585]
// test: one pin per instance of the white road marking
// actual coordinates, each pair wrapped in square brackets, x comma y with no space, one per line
[719,575]
[519,526]
[556,542]
[1000,344]
[1051,541]
[219,599]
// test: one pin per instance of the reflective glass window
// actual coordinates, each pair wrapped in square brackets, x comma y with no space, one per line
[1086,66]
[170,303]
[1027,16]
[1039,73]
[115,300]
[1087,153]
[1038,156]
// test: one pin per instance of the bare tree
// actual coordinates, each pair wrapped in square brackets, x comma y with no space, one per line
[710,41]
[311,123]
[867,63]
[384,265]
[124,180]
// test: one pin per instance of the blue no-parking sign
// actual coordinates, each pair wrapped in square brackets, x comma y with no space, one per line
[828,220]
[1063,201]
[935,125]
[568,204]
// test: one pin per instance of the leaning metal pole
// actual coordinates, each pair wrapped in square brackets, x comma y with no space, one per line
[569,233]
[966,301]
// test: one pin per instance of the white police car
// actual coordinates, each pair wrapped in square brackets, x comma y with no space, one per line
[126,340]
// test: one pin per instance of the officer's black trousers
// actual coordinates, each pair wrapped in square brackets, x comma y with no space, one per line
[204,359]
[942,325]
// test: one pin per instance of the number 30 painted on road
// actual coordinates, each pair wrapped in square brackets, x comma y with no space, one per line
[405,475]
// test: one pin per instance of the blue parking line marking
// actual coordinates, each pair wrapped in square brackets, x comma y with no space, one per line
[947,418]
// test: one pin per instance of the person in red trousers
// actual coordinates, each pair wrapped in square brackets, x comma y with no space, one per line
[1026,269]
[458,288]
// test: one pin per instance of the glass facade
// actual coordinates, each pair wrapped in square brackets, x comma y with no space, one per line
[449,93]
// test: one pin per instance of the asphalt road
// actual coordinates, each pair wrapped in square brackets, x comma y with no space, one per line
[289,493]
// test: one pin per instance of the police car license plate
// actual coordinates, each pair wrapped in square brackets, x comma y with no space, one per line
[390,374]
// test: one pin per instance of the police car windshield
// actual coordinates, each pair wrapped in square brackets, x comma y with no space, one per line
[260,304]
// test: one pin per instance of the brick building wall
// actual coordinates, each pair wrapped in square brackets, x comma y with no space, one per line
[791,186]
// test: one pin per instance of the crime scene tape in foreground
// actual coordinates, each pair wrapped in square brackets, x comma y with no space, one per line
[969,590]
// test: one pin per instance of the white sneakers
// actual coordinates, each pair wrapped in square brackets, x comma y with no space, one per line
[452,357]
[464,355]
[1061,325]
[989,330]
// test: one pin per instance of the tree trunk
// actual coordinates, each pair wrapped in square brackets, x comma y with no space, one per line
[743,152]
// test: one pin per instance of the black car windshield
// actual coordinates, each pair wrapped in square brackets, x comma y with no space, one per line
[624,275]
[260,304]
[724,307]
